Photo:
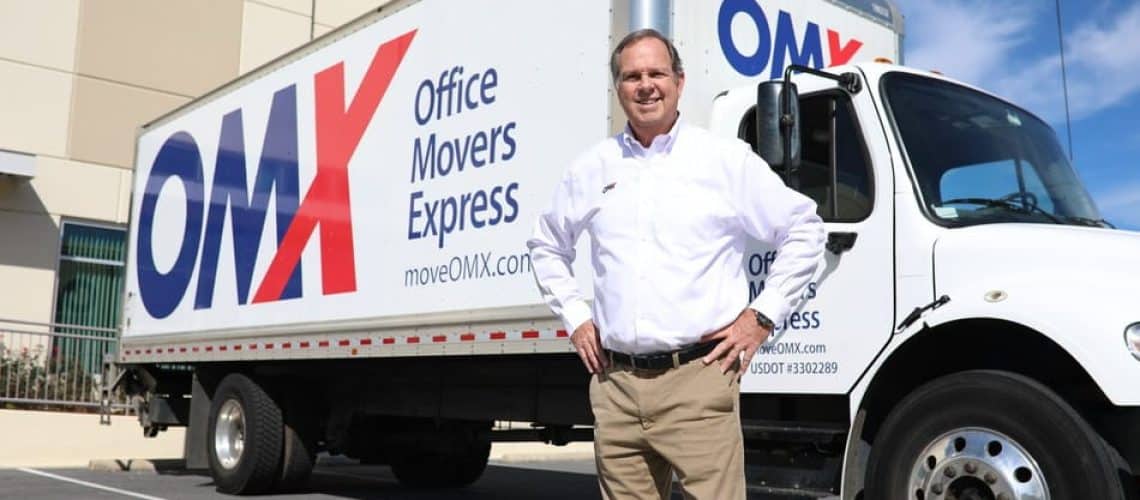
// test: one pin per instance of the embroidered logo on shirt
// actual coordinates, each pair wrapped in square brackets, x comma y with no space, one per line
[608,187]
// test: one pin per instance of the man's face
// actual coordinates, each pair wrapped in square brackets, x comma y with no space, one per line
[647,88]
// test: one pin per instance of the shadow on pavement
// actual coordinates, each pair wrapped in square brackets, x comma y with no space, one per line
[366,482]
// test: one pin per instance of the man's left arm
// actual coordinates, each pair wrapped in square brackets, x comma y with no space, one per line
[773,213]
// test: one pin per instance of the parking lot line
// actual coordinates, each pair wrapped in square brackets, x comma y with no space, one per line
[89,485]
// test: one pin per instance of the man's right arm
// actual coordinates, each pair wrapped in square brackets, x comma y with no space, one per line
[552,253]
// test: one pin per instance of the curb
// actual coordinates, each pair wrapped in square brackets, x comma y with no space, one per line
[541,452]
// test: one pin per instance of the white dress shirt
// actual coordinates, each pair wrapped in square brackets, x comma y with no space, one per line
[669,226]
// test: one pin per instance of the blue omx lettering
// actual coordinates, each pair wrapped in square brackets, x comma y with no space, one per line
[746,65]
[767,50]
[433,158]
[812,53]
[760,264]
[755,287]
[178,158]
[276,172]
[805,320]
[451,94]
[440,217]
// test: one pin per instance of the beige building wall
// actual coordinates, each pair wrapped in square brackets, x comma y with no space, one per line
[77,80]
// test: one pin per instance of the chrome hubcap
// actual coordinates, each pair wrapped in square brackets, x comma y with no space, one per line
[974,463]
[229,434]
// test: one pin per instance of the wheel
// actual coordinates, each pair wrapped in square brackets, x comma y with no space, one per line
[989,435]
[245,437]
[458,462]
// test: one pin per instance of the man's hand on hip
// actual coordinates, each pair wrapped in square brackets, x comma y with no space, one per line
[589,346]
[739,342]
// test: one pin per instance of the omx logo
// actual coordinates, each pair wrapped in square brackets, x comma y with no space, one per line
[325,204]
[808,52]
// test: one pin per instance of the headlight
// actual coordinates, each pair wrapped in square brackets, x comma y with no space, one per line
[1132,339]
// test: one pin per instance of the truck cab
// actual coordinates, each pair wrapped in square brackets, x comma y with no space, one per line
[971,331]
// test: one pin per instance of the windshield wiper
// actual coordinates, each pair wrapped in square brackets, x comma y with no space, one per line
[1006,204]
[1085,221]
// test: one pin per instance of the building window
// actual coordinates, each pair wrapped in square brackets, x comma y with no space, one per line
[89,292]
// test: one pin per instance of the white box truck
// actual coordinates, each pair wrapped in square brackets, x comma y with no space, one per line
[328,253]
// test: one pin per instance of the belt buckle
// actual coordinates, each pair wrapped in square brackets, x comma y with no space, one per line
[633,358]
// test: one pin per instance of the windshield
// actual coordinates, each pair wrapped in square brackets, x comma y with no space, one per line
[978,159]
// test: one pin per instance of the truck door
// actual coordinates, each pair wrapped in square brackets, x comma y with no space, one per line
[826,344]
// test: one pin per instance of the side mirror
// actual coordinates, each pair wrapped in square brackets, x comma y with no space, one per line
[778,125]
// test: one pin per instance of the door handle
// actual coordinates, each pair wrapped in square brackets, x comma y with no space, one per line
[839,242]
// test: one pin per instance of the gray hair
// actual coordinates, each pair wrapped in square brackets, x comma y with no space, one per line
[641,34]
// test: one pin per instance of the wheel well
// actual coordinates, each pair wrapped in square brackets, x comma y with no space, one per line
[979,344]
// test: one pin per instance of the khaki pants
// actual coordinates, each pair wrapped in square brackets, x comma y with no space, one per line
[652,423]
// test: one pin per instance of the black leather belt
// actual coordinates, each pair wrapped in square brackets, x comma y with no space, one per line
[662,360]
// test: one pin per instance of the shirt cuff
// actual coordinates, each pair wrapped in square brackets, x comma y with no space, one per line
[575,313]
[772,305]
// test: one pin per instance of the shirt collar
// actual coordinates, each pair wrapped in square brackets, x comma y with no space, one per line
[660,144]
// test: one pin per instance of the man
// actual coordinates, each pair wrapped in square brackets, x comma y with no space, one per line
[669,208]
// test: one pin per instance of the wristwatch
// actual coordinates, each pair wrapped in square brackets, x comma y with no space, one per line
[764,321]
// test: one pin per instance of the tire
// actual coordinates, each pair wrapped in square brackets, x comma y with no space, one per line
[992,433]
[458,464]
[244,437]
[299,453]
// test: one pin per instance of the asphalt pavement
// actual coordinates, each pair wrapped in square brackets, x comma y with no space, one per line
[510,479]
[546,479]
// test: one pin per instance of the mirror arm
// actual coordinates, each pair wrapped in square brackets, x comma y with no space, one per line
[849,81]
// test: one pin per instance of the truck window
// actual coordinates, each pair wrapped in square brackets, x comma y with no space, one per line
[993,180]
[978,160]
[834,171]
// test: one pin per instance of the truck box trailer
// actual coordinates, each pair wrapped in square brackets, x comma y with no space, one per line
[328,253]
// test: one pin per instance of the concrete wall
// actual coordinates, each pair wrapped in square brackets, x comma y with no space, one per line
[48,439]
[79,79]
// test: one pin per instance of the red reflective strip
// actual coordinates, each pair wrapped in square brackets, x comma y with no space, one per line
[181,349]
[323,343]
[148,351]
[413,340]
[530,334]
[286,345]
[253,347]
[498,335]
[562,333]
[237,347]
[365,341]
[195,349]
[439,338]
[344,343]
[304,344]
[209,348]
[170,349]
[269,345]
[389,340]
[467,337]
[223,348]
